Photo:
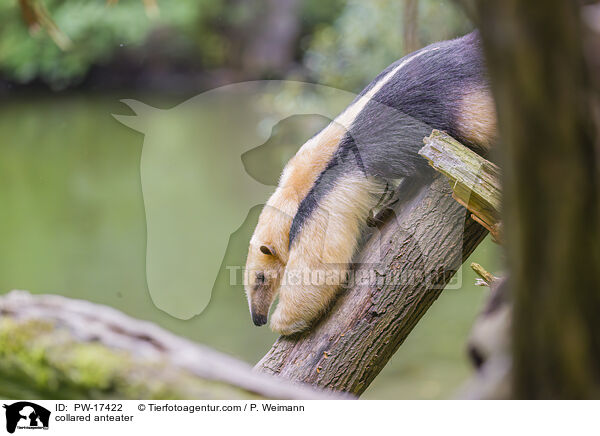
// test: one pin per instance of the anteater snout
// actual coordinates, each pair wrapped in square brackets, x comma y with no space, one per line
[259,320]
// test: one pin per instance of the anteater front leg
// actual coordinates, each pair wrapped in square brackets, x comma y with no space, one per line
[322,248]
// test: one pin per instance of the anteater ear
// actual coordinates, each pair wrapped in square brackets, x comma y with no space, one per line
[268,250]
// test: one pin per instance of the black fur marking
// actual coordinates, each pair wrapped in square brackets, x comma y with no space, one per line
[387,134]
[341,162]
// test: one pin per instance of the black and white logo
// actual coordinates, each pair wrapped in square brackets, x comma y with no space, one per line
[26,415]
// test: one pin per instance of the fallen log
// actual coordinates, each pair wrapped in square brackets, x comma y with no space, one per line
[61,348]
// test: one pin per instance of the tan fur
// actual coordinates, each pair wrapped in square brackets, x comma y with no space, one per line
[316,267]
[303,169]
[477,118]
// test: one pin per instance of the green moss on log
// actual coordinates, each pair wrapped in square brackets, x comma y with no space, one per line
[38,360]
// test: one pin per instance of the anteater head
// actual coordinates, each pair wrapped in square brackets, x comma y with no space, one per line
[267,257]
[263,273]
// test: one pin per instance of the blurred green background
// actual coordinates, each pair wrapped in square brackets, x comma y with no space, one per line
[72,218]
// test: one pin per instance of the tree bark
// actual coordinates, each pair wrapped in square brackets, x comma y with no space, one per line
[399,273]
[548,118]
[56,347]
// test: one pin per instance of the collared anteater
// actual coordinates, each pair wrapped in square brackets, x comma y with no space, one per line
[315,217]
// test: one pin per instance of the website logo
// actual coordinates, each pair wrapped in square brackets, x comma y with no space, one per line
[26,415]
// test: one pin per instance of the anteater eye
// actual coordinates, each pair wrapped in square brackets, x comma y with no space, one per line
[260,278]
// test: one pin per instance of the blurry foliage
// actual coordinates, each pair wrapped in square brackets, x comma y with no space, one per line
[368,36]
[190,31]
[37,17]
[96,28]
[342,43]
